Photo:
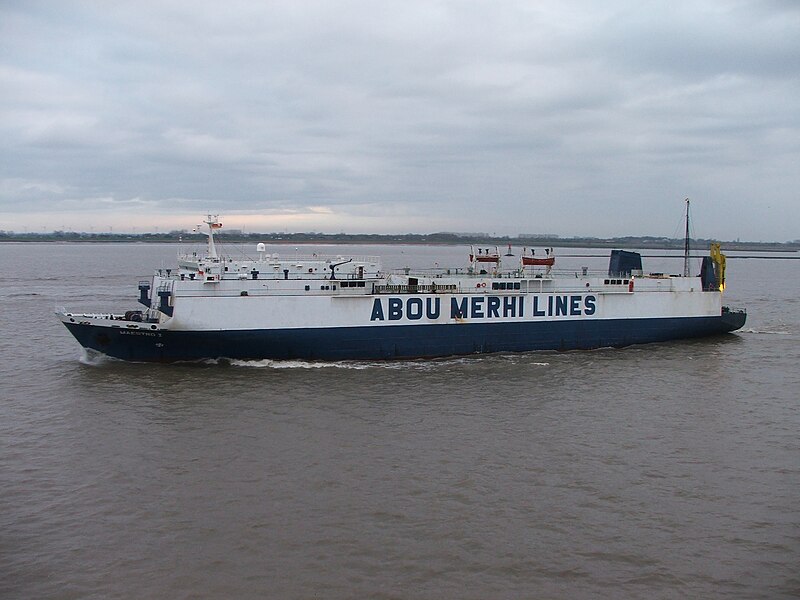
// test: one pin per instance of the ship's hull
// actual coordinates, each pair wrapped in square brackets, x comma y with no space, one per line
[393,342]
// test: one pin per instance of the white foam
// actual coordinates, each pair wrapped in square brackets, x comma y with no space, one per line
[296,364]
[92,358]
[765,331]
[420,365]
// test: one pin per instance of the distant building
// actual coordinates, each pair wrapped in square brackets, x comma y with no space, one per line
[467,234]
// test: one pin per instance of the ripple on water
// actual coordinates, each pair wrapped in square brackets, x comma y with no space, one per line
[667,470]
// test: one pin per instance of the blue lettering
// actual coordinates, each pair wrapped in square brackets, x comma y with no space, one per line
[477,307]
[493,307]
[521,306]
[537,312]
[433,306]
[395,309]
[561,306]
[589,305]
[549,306]
[458,310]
[377,311]
[574,305]
[414,309]
[509,306]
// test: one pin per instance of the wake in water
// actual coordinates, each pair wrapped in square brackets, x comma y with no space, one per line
[350,365]
[418,365]
[294,364]
[766,331]
[94,358]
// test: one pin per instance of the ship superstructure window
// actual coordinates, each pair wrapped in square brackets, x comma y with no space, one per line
[503,285]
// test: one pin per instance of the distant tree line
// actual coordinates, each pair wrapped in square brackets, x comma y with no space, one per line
[406,238]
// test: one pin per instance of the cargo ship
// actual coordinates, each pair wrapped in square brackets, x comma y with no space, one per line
[347,308]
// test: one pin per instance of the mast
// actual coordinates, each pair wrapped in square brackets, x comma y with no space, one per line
[686,244]
[213,223]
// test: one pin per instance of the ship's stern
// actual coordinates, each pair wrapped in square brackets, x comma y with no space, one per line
[733,318]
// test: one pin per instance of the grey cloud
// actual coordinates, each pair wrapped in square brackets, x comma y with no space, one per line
[498,114]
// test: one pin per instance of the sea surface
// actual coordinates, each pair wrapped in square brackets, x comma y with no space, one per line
[659,471]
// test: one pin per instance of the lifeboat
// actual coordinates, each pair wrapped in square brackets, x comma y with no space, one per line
[533,261]
[484,257]
[530,261]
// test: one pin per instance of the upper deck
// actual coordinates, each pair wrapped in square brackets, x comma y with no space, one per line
[265,273]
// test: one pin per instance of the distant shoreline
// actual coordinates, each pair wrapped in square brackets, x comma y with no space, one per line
[441,239]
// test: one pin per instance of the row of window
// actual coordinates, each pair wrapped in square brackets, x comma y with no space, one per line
[496,285]
[344,284]
[505,285]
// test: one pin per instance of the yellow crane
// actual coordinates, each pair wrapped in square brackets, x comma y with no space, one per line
[719,261]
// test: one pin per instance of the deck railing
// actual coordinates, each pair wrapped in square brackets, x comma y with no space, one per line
[418,289]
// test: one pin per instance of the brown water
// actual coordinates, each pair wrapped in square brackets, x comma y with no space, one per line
[660,471]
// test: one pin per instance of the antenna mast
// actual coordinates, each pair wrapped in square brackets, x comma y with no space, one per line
[213,223]
[686,244]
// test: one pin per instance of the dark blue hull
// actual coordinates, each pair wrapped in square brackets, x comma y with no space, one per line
[391,342]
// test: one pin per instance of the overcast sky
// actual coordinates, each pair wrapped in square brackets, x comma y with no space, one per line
[530,116]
